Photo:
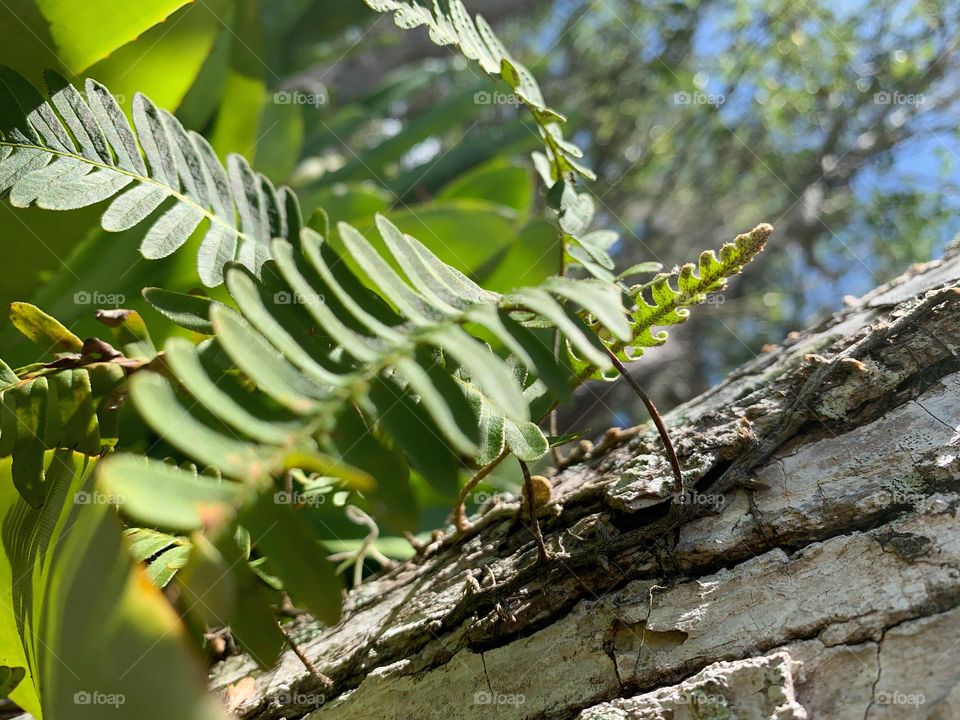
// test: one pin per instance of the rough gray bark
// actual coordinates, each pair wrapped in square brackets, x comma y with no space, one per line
[809,569]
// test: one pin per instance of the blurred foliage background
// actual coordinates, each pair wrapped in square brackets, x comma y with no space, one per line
[835,121]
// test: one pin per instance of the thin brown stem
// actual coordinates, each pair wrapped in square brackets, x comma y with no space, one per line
[298,651]
[460,512]
[532,511]
[654,415]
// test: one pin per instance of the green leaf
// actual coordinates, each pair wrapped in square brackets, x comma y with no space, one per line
[405,420]
[645,268]
[253,622]
[162,409]
[525,440]
[83,38]
[42,329]
[10,677]
[350,202]
[171,231]
[227,399]
[77,411]
[133,207]
[453,25]
[166,496]
[163,555]
[542,303]
[358,444]
[576,212]
[466,234]
[28,452]
[76,594]
[498,181]
[262,362]
[188,311]
[670,306]
[8,378]
[280,533]
[207,584]
[165,61]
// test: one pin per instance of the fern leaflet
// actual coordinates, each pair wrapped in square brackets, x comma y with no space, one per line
[449,23]
[74,151]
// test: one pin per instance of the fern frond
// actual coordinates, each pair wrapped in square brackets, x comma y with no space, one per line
[659,304]
[70,403]
[449,23]
[312,362]
[317,344]
[162,554]
[73,151]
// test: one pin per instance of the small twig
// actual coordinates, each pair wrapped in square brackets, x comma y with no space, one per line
[460,512]
[298,651]
[532,511]
[654,415]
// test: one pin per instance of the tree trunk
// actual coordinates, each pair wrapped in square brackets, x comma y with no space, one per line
[809,569]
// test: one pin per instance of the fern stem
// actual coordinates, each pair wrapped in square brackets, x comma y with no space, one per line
[460,512]
[654,415]
[542,551]
[327,683]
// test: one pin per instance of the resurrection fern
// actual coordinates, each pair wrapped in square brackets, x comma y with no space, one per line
[334,360]
[337,368]
[74,151]
[343,373]
[657,304]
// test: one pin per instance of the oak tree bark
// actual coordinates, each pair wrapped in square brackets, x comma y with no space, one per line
[810,567]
